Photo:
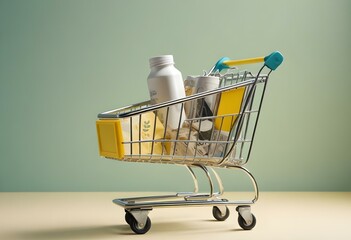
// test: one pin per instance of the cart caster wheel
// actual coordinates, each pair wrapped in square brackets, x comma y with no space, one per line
[139,228]
[247,226]
[128,217]
[217,214]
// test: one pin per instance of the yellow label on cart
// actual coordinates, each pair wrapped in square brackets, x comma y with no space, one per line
[229,104]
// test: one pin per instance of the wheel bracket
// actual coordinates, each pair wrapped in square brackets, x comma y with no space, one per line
[140,216]
[245,212]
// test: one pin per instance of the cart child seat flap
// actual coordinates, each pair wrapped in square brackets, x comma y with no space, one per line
[230,103]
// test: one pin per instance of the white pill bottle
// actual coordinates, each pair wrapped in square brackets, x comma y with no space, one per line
[165,83]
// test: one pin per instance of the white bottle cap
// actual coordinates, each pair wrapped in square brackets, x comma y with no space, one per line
[161,60]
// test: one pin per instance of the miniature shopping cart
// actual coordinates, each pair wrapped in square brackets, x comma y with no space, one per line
[209,136]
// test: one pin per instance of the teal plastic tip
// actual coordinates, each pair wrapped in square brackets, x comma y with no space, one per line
[273,60]
[220,64]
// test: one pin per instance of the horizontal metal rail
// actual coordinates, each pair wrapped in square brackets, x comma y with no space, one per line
[142,108]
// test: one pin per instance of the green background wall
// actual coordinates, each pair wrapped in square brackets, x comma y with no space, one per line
[63,62]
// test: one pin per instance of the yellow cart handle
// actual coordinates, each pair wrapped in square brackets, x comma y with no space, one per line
[232,63]
[272,61]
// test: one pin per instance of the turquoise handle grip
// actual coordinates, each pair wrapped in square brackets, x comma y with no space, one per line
[220,64]
[273,60]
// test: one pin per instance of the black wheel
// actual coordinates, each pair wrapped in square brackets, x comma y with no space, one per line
[217,214]
[138,228]
[128,217]
[244,225]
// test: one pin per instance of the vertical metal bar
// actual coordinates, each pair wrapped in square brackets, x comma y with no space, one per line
[232,123]
[178,130]
[201,108]
[258,114]
[165,131]
[208,177]
[196,183]
[153,135]
[140,136]
[211,137]
[247,122]
[188,142]
[198,130]
[219,181]
[218,134]
[131,135]
[197,139]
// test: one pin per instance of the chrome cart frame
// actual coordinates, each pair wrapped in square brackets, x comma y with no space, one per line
[225,148]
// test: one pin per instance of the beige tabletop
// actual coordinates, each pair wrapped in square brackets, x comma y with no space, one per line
[280,215]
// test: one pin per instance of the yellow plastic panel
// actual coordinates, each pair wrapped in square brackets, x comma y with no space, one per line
[230,103]
[110,138]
